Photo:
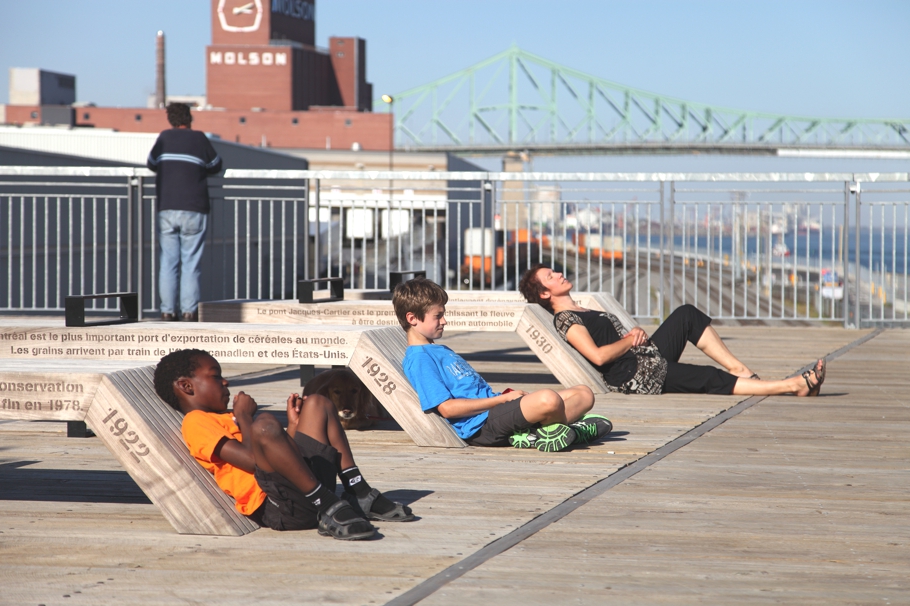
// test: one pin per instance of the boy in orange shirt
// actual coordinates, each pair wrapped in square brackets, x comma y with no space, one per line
[281,479]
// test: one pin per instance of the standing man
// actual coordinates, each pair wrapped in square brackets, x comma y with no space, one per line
[182,160]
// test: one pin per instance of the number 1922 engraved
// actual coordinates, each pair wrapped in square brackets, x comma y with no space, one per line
[379,377]
[541,340]
[128,439]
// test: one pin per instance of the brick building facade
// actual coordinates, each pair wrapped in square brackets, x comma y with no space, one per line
[266,84]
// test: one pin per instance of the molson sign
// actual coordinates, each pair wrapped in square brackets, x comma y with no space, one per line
[248,57]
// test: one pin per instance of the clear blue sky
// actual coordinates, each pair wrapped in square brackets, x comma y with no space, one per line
[819,58]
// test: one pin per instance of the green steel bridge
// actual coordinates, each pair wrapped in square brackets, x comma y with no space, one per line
[518,101]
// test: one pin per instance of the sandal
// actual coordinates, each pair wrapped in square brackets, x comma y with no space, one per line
[352,529]
[755,376]
[401,513]
[819,377]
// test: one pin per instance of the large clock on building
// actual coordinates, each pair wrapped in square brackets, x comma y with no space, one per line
[240,15]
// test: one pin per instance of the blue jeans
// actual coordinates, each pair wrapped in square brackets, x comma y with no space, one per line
[182,237]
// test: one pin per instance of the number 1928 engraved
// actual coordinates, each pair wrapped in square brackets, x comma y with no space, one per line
[539,339]
[379,377]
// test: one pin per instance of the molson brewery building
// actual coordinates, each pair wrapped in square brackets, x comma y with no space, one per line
[266,85]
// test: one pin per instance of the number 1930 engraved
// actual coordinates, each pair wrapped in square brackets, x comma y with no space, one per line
[541,340]
[379,377]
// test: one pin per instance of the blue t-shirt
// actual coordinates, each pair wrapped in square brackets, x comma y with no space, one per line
[439,374]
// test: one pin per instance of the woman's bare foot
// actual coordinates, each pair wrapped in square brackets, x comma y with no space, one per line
[811,380]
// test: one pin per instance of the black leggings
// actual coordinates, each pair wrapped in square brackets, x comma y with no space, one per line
[687,324]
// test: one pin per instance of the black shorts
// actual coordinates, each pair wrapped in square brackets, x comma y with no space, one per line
[693,378]
[285,507]
[686,325]
[502,421]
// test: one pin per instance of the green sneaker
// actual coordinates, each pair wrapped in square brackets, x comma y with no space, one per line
[523,439]
[591,427]
[554,438]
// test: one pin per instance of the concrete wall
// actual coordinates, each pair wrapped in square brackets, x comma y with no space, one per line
[322,128]
[32,86]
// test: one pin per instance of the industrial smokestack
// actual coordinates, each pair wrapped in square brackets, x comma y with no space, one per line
[160,92]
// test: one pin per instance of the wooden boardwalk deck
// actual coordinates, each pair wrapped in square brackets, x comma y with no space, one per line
[792,501]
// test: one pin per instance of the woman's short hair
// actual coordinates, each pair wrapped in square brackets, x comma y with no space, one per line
[178,114]
[531,287]
[417,296]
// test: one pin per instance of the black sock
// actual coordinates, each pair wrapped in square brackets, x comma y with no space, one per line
[322,498]
[353,482]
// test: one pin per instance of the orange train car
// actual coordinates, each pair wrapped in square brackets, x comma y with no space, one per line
[607,247]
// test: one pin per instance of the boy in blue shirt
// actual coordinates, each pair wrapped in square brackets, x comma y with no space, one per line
[548,420]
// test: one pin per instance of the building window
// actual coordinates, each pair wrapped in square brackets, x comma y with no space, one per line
[86,116]
[339,55]
[347,122]
[242,120]
[293,120]
[138,117]
[34,114]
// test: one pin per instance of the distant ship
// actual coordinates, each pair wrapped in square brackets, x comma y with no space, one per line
[808,226]
[780,249]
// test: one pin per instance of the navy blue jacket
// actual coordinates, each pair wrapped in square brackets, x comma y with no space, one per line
[183,159]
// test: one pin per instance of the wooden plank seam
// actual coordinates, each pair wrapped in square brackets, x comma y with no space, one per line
[503,544]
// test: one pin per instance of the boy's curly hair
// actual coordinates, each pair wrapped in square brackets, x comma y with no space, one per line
[178,114]
[531,288]
[181,363]
[416,296]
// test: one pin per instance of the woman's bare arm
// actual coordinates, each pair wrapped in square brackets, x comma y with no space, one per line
[579,338]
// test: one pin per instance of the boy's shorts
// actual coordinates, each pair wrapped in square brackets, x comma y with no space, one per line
[502,421]
[285,507]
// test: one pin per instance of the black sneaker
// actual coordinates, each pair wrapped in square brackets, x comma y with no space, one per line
[554,438]
[591,427]
[166,317]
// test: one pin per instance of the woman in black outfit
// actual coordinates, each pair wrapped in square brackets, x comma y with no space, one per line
[631,362]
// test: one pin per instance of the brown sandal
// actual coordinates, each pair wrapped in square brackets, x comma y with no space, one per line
[819,377]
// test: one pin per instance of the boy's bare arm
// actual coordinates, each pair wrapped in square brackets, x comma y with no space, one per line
[465,407]
[294,405]
[240,454]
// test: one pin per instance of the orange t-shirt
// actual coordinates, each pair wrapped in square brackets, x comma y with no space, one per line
[202,431]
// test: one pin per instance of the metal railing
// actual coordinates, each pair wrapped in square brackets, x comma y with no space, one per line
[770,246]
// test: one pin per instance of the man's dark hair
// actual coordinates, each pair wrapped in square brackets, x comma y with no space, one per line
[531,288]
[181,363]
[178,114]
